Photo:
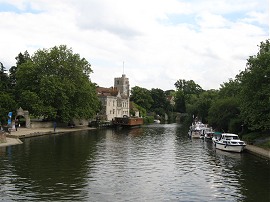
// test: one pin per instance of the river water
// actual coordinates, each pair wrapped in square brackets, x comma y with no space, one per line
[151,163]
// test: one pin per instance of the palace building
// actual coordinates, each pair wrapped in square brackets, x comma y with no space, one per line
[115,100]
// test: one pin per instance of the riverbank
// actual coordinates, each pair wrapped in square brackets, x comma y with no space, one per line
[15,137]
[258,151]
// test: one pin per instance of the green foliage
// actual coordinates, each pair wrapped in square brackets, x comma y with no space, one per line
[235,125]
[55,83]
[7,104]
[222,112]
[160,103]
[255,90]
[180,104]
[186,92]
[4,79]
[204,102]
[258,138]
[136,107]
[154,101]
[31,101]
[230,89]
[188,87]
[141,97]
[148,119]
[21,58]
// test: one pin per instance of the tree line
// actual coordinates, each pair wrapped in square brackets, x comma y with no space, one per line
[240,105]
[52,83]
[55,84]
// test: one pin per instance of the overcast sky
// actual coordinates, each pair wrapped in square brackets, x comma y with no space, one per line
[159,41]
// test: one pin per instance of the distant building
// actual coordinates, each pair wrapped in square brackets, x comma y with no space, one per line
[171,99]
[115,100]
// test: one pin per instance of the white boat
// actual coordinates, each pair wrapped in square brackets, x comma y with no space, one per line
[156,121]
[209,135]
[229,142]
[197,129]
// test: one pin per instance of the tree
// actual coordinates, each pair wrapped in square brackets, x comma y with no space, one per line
[4,80]
[55,83]
[7,104]
[230,89]
[255,89]
[142,97]
[186,93]
[222,112]
[160,103]
[21,58]
[203,102]
[180,104]
[134,108]
[188,87]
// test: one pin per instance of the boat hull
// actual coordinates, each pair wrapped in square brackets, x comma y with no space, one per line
[128,121]
[230,148]
[195,134]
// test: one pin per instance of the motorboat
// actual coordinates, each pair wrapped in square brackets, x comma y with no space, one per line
[196,130]
[216,136]
[229,142]
[209,135]
[156,121]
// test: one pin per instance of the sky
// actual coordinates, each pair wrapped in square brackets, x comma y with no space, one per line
[153,42]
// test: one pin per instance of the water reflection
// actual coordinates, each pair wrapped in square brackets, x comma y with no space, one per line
[151,163]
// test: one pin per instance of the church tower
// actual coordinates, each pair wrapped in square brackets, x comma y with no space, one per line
[122,84]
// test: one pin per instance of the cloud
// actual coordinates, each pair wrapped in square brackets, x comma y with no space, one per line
[160,41]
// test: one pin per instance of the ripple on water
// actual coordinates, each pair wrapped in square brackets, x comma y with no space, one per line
[153,163]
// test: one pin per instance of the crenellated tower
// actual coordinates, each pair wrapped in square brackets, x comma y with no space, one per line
[122,84]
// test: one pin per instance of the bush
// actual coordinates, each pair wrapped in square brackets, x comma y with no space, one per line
[148,119]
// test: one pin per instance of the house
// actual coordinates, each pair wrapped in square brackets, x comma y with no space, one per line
[114,100]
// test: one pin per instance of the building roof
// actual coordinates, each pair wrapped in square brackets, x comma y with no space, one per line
[101,91]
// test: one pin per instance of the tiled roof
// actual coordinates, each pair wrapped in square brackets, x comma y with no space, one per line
[106,91]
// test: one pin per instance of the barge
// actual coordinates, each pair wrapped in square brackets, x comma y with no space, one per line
[128,121]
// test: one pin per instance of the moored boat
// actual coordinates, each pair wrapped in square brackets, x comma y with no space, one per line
[156,121]
[229,142]
[209,135]
[197,130]
[128,121]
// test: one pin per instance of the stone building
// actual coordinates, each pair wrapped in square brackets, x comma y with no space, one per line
[115,100]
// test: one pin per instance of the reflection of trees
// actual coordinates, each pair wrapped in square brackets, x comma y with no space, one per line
[246,175]
[255,178]
[51,167]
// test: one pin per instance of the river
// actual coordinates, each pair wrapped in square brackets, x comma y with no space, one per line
[151,163]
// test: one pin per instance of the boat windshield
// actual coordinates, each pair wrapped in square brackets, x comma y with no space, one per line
[231,137]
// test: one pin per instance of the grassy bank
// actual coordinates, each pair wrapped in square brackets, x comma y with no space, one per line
[258,139]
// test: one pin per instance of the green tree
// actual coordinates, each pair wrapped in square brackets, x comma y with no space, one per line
[4,79]
[180,104]
[255,89]
[186,93]
[136,108]
[224,112]
[160,103]
[55,83]
[230,89]
[21,58]
[188,87]
[7,104]
[142,97]
[203,102]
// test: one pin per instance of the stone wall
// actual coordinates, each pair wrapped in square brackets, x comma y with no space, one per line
[3,137]
[42,124]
